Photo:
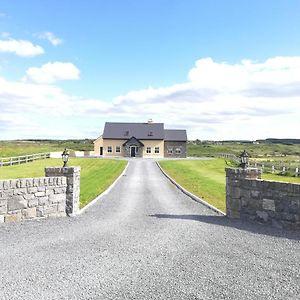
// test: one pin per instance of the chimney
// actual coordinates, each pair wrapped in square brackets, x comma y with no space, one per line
[150,121]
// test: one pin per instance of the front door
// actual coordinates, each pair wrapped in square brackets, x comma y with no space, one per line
[132,151]
[101,150]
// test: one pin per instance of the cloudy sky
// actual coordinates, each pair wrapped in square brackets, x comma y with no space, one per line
[220,69]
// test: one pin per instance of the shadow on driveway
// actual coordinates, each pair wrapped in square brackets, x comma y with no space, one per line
[235,223]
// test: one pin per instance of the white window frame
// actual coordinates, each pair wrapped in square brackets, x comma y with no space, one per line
[177,151]
[170,150]
[156,150]
[109,149]
[148,150]
[118,148]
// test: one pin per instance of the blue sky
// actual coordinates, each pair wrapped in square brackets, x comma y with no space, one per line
[94,61]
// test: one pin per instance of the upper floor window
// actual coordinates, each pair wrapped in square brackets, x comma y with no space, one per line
[148,150]
[118,149]
[109,149]
[156,150]
[170,151]
[178,151]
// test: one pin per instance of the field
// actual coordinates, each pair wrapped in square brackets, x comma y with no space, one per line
[96,174]
[16,148]
[206,178]
[262,150]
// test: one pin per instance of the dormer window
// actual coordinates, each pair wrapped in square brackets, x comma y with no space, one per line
[150,133]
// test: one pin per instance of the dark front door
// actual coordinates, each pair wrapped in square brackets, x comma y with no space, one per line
[101,150]
[132,151]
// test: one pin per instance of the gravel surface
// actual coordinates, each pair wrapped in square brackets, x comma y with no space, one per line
[147,240]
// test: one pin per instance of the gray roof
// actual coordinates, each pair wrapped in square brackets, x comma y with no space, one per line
[142,131]
[175,135]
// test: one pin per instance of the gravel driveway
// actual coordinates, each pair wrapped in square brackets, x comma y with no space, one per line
[147,240]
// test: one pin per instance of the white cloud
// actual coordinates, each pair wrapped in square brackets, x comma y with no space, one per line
[247,100]
[53,71]
[55,41]
[20,47]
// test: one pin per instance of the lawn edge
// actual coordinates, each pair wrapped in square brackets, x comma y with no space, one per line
[194,197]
[104,192]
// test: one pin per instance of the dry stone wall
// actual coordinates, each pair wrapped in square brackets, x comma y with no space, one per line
[271,202]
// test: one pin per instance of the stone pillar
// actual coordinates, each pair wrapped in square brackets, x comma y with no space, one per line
[73,186]
[234,182]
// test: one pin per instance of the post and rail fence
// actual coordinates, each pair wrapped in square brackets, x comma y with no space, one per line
[17,160]
[266,167]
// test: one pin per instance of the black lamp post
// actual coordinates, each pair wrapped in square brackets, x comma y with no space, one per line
[65,157]
[244,159]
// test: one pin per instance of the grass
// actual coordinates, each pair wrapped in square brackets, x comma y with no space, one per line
[96,174]
[17,148]
[206,178]
[254,150]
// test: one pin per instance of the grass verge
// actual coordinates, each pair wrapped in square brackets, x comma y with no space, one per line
[206,178]
[96,174]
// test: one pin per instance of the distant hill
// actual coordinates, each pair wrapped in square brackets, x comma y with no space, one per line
[280,141]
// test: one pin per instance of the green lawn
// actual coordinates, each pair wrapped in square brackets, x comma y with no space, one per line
[96,174]
[18,148]
[206,178]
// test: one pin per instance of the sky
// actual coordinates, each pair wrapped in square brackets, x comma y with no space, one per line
[220,69]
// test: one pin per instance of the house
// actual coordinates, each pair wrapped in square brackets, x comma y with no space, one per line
[149,140]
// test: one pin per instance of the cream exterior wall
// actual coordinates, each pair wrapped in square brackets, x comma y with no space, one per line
[113,143]
[153,144]
[97,144]
[100,142]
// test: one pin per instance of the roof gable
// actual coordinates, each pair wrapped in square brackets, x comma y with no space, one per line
[133,141]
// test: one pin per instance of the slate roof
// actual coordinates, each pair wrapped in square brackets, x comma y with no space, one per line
[141,131]
[176,135]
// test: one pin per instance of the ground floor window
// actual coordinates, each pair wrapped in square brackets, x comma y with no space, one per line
[178,151]
[156,150]
[118,149]
[148,150]
[109,149]
[170,151]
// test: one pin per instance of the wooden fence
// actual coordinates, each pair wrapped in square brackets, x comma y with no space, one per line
[16,160]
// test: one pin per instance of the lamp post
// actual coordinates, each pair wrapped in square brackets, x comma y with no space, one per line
[65,158]
[244,159]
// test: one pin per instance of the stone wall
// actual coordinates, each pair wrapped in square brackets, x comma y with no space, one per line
[33,198]
[173,146]
[270,202]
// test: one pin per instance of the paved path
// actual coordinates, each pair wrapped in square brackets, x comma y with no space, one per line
[147,240]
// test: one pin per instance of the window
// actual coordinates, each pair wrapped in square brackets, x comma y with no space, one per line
[178,151]
[156,150]
[118,149]
[170,151]
[148,150]
[109,149]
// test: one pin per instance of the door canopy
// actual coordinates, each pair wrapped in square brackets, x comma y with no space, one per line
[133,142]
